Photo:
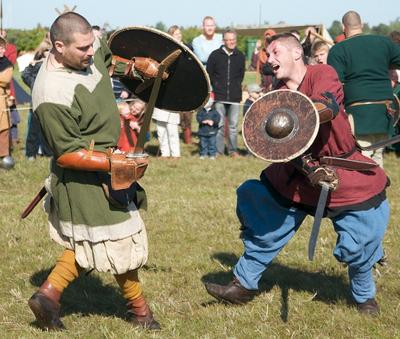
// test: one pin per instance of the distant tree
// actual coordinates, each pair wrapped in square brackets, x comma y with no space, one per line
[189,33]
[161,26]
[335,29]
[381,29]
[26,40]
[395,25]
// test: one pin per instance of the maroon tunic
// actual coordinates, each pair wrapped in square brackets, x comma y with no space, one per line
[334,138]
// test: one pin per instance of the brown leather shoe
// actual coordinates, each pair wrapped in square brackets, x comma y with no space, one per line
[46,311]
[369,307]
[233,293]
[141,315]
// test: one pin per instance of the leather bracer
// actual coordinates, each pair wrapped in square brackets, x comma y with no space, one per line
[84,160]
[138,67]
[328,108]
[124,171]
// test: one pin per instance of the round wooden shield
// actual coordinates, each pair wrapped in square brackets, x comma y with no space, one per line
[280,126]
[187,87]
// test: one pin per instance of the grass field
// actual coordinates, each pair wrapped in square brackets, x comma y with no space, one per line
[194,237]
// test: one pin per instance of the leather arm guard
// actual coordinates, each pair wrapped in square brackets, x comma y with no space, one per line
[148,67]
[124,171]
[138,67]
[316,174]
[327,109]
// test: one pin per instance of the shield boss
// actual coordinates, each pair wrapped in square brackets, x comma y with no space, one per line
[280,126]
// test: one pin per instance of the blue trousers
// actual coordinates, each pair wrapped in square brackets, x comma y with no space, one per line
[208,145]
[232,112]
[268,226]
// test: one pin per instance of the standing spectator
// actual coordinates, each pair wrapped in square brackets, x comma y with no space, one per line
[185,117]
[255,55]
[254,91]
[6,71]
[208,119]
[208,41]
[263,68]
[319,51]
[226,67]
[34,139]
[168,133]
[11,54]
[362,64]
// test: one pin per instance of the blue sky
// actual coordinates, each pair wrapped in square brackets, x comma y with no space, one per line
[28,13]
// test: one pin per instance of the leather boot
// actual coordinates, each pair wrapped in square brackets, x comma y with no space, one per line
[46,307]
[369,307]
[233,293]
[187,136]
[141,315]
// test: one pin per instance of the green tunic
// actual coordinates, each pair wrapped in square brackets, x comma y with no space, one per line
[75,107]
[362,63]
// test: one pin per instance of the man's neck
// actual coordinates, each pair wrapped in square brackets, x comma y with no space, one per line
[296,79]
[54,61]
[208,37]
[353,32]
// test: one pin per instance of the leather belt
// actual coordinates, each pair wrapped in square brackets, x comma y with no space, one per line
[362,103]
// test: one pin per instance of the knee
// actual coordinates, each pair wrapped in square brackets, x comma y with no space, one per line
[247,189]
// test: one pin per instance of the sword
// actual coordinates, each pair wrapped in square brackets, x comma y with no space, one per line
[381,144]
[317,220]
[33,203]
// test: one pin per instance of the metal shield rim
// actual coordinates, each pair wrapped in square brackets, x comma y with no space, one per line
[299,152]
[184,47]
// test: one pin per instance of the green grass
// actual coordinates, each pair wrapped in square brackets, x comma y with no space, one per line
[194,237]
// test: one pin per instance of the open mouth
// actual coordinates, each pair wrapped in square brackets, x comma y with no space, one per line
[275,67]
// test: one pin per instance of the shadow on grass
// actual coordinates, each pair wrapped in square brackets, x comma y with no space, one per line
[87,295]
[327,288]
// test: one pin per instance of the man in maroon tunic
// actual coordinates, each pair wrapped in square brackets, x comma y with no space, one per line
[273,208]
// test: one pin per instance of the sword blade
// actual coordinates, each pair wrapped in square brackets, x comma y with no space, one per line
[381,144]
[317,220]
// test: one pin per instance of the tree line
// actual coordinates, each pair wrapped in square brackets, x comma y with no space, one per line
[29,39]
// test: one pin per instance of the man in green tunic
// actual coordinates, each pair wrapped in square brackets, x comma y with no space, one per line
[362,63]
[74,102]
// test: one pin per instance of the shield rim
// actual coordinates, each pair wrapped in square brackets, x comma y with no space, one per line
[301,150]
[183,46]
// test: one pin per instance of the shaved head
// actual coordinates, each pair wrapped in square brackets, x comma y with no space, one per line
[352,20]
[287,39]
[64,27]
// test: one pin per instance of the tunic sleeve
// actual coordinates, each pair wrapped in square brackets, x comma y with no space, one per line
[60,128]
[327,81]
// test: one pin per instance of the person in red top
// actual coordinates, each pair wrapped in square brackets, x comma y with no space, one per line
[11,55]
[130,118]
[273,208]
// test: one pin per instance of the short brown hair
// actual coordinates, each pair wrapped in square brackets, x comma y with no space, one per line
[64,27]
[3,42]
